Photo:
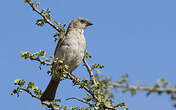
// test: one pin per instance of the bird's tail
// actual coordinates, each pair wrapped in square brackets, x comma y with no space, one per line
[50,91]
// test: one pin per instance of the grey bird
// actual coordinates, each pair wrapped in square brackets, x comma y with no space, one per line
[71,49]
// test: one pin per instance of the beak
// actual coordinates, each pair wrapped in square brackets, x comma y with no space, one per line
[89,23]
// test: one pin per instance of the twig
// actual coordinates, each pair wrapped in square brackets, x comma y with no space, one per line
[85,87]
[90,71]
[89,91]
[27,91]
[43,15]
[80,100]
[49,105]
[39,60]
[145,88]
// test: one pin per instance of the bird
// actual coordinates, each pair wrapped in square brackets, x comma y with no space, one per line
[71,49]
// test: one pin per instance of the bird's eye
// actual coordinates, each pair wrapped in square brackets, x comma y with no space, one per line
[82,21]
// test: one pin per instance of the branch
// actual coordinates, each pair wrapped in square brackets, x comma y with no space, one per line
[49,105]
[39,60]
[78,82]
[29,92]
[90,71]
[145,88]
[43,15]
[80,100]
[88,90]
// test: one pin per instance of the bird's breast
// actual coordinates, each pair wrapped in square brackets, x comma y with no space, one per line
[72,50]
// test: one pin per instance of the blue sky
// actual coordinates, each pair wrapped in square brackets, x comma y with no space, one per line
[128,36]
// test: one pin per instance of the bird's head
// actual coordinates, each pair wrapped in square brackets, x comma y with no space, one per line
[80,23]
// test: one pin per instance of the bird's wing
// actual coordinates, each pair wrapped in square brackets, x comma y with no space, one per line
[61,39]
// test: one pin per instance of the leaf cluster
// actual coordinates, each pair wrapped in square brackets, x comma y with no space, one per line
[30,88]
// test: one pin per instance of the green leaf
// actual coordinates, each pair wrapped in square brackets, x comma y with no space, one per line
[87,55]
[35,87]
[14,92]
[42,53]
[55,104]
[19,82]
[16,82]
[47,60]
[120,105]
[36,54]
[40,67]
[40,22]
[25,55]
[30,85]
[97,66]
[37,3]
[98,71]
[66,108]
[124,79]
[163,82]
[55,36]
[52,57]
[57,100]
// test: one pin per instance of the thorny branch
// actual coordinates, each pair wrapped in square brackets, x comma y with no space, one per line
[144,88]
[88,90]
[27,91]
[90,71]
[43,15]
[75,80]
[49,105]
[80,100]
[85,87]
[39,60]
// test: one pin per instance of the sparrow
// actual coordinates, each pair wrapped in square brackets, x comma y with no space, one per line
[71,50]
